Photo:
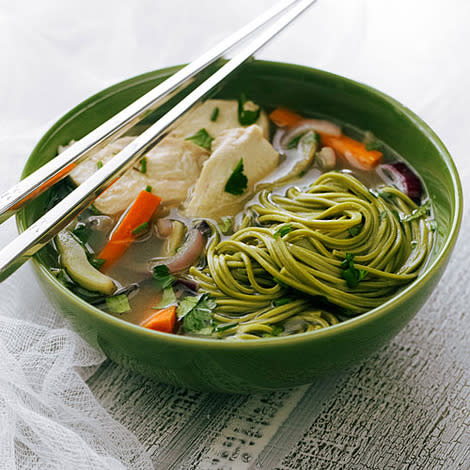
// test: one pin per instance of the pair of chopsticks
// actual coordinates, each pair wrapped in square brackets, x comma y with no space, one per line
[44,229]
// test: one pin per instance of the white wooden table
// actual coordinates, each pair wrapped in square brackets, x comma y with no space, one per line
[407,407]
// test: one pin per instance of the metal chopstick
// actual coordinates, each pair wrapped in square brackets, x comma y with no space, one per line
[59,167]
[45,228]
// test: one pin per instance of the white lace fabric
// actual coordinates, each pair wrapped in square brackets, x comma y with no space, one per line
[48,416]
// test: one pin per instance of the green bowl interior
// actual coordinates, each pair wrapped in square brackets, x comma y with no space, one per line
[305,90]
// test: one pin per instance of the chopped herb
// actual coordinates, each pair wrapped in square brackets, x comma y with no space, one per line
[143,165]
[186,305]
[281,283]
[224,326]
[355,230]
[282,301]
[225,224]
[118,303]
[248,112]
[433,225]
[284,230]
[201,138]
[99,164]
[371,142]
[94,210]
[215,114]
[385,195]
[82,232]
[373,146]
[62,276]
[421,211]
[396,214]
[168,298]
[292,144]
[143,227]
[61,190]
[312,137]
[414,244]
[383,215]
[237,182]
[277,330]
[196,313]
[351,275]
[162,277]
[148,188]
[302,173]
[97,262]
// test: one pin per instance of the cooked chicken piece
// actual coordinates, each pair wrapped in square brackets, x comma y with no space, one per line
[200,118]
[209,198]
[173,166]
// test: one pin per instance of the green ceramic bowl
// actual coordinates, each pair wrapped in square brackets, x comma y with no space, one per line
[264,364]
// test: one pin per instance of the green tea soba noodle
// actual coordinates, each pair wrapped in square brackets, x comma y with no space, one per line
[347,248]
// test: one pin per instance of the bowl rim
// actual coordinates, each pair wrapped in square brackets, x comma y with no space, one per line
[212,343]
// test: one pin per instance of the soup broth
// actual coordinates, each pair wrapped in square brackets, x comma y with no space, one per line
[251,226]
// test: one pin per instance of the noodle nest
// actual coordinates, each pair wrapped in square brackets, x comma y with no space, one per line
[313,257]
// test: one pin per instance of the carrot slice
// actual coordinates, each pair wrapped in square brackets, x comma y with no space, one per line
[355,152]
[122,237]
[284,117]
[163,320]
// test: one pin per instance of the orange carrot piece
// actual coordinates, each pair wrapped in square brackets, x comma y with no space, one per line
[138,213]
[163,320]
[355,152]
[284,117]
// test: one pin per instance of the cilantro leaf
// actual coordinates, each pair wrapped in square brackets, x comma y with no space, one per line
[215,114]
[168,298]
[143,165]
[385,195]
[196,313]
[140,229]
[97,262]
[373,146]
[94,210]
[371,142]
[281,283]
[396,214]
[248,112]
[284,230]
[82,232]
[224,326]
[186,305]
[355,230]
[201,138]
[277,330]
[99,164]
[350,274]
[292,144]
[421,211]
[237,182]
[282,301]
[162,277]
[118,303]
